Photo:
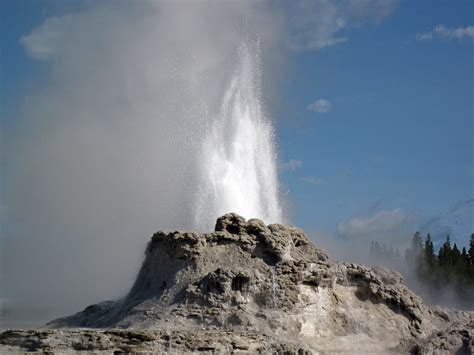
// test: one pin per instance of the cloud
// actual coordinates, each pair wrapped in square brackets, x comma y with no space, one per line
[100,155]
[291,165]
[310,24]
[43,43]
[377,10]
[320,106]
[391,226]
[424,36]
[317,24]
[352,237]
[103,151]
[456,221]
[393,230]
[442,32]
[313,180]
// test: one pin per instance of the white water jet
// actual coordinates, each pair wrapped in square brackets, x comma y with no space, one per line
[237,158]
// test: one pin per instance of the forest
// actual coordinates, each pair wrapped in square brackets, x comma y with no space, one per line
[435,271]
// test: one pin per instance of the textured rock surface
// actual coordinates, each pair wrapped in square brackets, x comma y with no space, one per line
[118,341]
[255,288]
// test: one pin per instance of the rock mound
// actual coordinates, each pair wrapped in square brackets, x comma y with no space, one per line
[268,288]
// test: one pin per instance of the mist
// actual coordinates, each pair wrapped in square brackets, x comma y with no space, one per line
[102,152]
[393,230]
[107,145]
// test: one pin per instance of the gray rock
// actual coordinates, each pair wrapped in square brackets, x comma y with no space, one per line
[248,287]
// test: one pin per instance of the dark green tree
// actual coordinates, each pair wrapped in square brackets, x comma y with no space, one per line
[414,253]
[465,257]
[430,256]
[455,255]
[471,250]
[444,254]
[457,265]
[470,268]
[450,268]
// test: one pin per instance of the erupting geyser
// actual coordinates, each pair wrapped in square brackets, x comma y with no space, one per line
[237,161]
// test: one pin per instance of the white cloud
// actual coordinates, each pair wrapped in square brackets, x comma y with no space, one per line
[313,180]
[320,106]
[393,227]
[316,24]
[311,25]
[44,41]
[291,165]
[108,141]
[424,36]
[352,237]
[374,9]
[443,32]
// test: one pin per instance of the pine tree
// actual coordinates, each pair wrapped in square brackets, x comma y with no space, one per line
[464,266]
[430,257]
[471,250]
[414,255]
[444,254]
[445,260]
[417,244]
[449,268]
[470,268]
[414,252]
[465,257]
[456,263]
[455,254]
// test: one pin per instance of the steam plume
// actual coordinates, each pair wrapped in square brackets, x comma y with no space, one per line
[111,145]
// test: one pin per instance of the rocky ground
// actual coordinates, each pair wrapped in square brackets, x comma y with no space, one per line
[252,288]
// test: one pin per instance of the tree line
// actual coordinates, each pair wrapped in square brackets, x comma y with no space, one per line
[449,267]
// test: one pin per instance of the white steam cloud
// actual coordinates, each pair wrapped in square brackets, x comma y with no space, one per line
[110,147]
[317,24]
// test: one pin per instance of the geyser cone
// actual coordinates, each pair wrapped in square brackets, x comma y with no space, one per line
[269,287]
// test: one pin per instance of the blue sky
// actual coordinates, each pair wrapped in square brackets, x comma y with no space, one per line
[397,131]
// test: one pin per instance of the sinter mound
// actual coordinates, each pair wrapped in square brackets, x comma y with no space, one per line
[248,287]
